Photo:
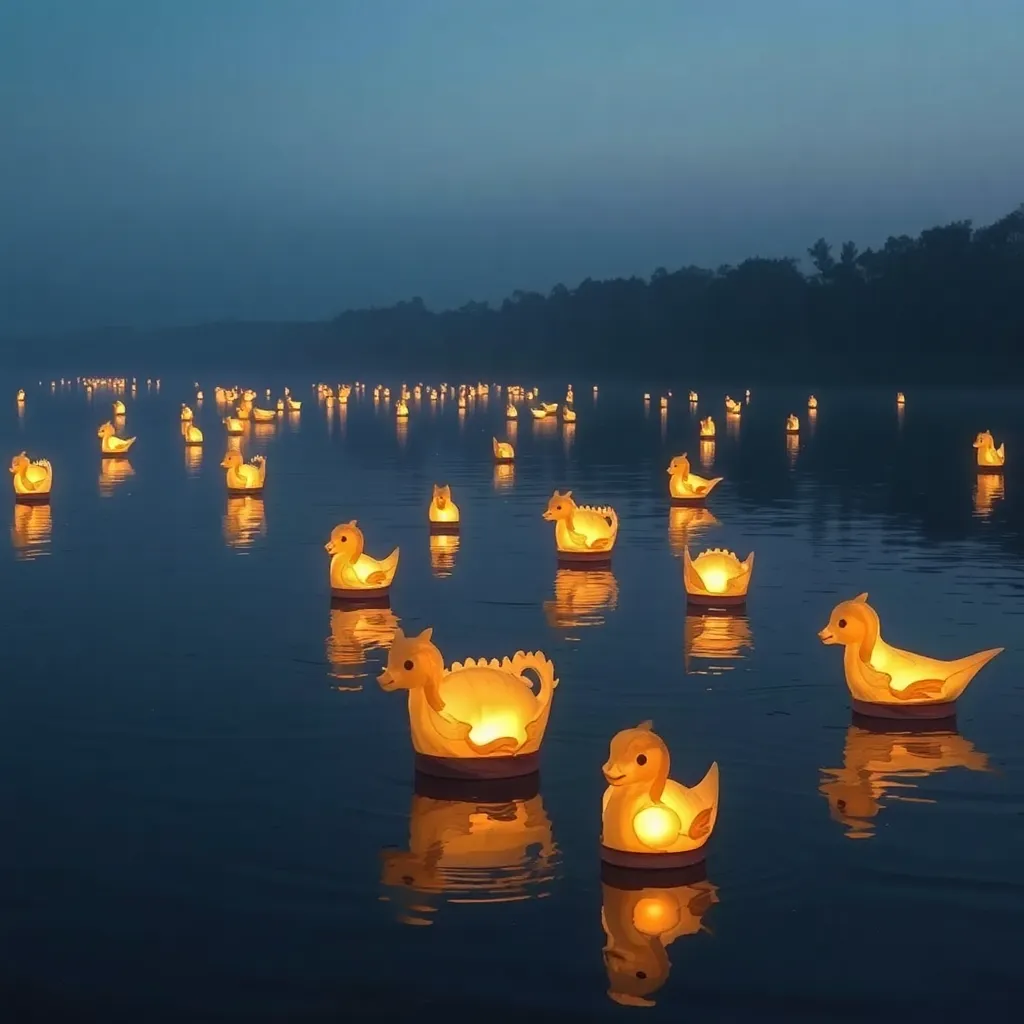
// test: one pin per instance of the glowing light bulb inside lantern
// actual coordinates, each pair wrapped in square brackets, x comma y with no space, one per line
[656,826]
[715,580]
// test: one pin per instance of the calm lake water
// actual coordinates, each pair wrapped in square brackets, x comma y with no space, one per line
[208,803]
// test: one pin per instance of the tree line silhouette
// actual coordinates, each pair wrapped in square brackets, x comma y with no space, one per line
[945,306]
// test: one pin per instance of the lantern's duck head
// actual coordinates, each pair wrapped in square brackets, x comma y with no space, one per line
[984,440]
[637,757]
[346,540]
[232,460]
[560,506]
[852,622]
[413,663]
[679,466]
[19,463]
[106,430]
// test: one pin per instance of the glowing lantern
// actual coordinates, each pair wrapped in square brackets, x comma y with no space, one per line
[32,480]
[401,409]
[477,719]
[113,471]
[244,477]
[989,456]
[234,426]
[511,412]
[193,435]
[31,530]
[461,403]
[685,487]
[355,575]
[647,397]
[663,402]
[293,405]
[264,415]
[812,402]
[647,819]
[20,396]
[639,923]
[792,424]
[280,406]
[716,577]
[715,638]
[886,682]
[443,513]
[732,407]
[581,598]
[244,521]
[900,398]
[693,398]
[112,446]
[568,415]
[186,414]
[244,410]
[538,413]
[582,533]
[355,632]
[443,549]
[550,407]
[199,396]
[987,491]
[881,766]
[503,451]
[466,851]
[119,409]
[707,428]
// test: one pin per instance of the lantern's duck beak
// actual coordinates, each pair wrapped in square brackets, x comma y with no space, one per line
[826,636]
[386,681]
[546,514]
[330,548]
[611,774]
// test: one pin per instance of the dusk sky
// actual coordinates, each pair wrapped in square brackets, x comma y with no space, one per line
[175,161]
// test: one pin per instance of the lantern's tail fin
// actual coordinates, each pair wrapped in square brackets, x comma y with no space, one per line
[965,670]
[541,667]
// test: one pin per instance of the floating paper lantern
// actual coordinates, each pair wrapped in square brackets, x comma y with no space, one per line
[792,424]
[582,533]
[990,458]
[244,477]
[647,819]
[112,446]
[886,682]
[693,398]
[639,924]
[663,402]
[199,396]
[464,852]
[582,596]
[707,429]
[511,412]
[732,407]
[20,396]
[503,451]
[356,576]
[477,719]
[31,480]
[119,408]
[244,521]
[568,415]
[685,487]
[716,577]
[401,409]
[881,765]
[443,513]
[900,398]
[538,413]
[549,407]
[186,414]
[812,402]
[264,415]
[193,435]
[234,426]
[715,638]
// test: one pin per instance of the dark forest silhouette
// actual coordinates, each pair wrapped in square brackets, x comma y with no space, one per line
[946,305]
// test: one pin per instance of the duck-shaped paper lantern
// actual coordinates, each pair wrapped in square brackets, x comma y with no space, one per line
[901,399]
[582,533]
[511,412]
[886,682]
[193,435]
[568,415]
[186,414]
[234,426]
[264,415]
[477,719]
[244,477]
[468,851]
[639,923]
[707,429]
[112,446]
[550,407]
[32,480]
[199,396]
[119,408]
[663,403]
[20,396]
[647,820]
[293,405]
[538,412]
[279,408]
[989,456]
[356,576]
[732,407]
[401,409]
[581,598]
[716,577]
[880,765]
[792,424]
[685,487]
[503,451]
[812,402]
[443,513]
[693,398]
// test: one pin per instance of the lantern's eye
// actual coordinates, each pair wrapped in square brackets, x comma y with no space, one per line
[407,666]
[344,538]
[842,623]
[641,759]
[642,975]
[407,879]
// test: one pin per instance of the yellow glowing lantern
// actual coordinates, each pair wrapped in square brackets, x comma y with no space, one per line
[732,407]
[355,576]
[477,719]
[715,639]
[639,924]
[716,577]
[693,398]
[538,413]
[511,412]
[199,396]
[990,458]
[882,766]
[264,415]
[401,409]
[234,426]
[685,487]
[244,477]
[249,396]
[465,852]
[647,397]
[355,633]
[32,480]
[186,414]
[193,435]
[503,451]
[112,446]
[31,530]
[20,396]
[886,682]
[443,513]
[568,415]
[663,403]
[707,429]
[581,598]
[812,402]
[792,424]
[113,471]
[443,549]
[119,408]
[293,405]
[987,491]
[244,521]
[647,819]
[461,401]
[582,533]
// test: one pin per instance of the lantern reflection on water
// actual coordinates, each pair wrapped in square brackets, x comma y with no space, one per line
[244,521]
[887,682]
[30,531]
[581,598]
[113,471]
[685,523]
[193,459]
[355,632]
[707,454]
[988,489]
[792,448]
[639,924]
[504,476]
[476,719]
[714,639]
[716,577]
[883,766]
[496,849]
[443,549]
